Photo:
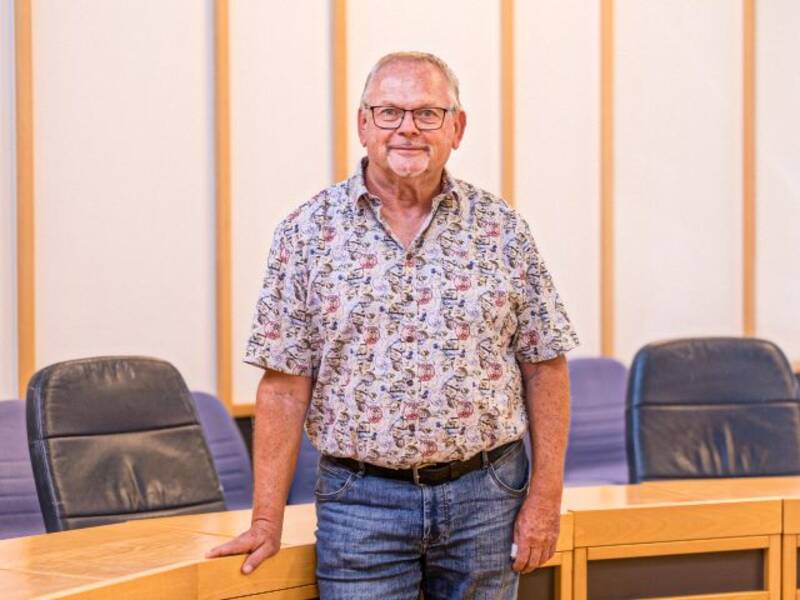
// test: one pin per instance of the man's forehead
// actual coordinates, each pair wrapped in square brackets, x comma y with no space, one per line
[408,78]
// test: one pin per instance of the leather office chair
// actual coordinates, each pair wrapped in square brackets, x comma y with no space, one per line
[117,438]
[19,507]
[596,451]
[228,451]
[712,407]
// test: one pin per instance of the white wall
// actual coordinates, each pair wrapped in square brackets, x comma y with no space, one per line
[280,141]
[778,174]
[557,152]
[125,167]
[678,198]
[8,230]
[124,182]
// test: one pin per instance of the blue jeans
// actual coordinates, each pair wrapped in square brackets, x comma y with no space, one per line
[382,539]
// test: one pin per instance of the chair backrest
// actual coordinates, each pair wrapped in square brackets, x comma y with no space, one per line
[228,451]
[596,450]
[712,407]
[305,475]
[19,506]
[117,438]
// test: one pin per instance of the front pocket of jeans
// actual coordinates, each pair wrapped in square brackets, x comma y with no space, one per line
[511,476]
[332,482]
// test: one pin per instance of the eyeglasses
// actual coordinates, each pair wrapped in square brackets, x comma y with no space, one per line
[426,118]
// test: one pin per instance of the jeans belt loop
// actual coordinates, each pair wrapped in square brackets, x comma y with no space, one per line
[484,459]
[361,468]
[415,473]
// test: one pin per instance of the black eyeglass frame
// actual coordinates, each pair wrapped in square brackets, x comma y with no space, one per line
[413,116]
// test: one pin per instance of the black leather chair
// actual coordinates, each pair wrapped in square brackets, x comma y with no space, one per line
[117,438]
[712,407]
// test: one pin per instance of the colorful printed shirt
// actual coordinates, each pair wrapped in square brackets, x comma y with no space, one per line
[413,351]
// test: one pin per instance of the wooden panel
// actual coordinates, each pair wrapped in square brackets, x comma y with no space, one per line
[19,585]
[222,114]
[688,547]
[164,584]
[748,169]
[678,522]
[730,596]
[789,566]
[772,567]
[580,578]
[791,516]
[304,592]
[290,568]
[341,166]
[565,575]
[607,178]
[730,489]
[507,100]
[26,301]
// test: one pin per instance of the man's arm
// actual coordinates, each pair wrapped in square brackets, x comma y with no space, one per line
[547,400]
[281,403]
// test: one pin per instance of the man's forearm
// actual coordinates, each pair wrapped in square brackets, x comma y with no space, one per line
[547,401]
[281,403]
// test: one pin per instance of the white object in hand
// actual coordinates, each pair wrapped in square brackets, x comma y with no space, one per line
[513,551]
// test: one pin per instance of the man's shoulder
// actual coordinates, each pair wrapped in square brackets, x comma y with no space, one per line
[482,204]
[317,210]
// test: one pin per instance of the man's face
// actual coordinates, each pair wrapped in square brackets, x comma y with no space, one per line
[408,151]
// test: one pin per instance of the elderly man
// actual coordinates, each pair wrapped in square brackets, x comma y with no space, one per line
[407,318]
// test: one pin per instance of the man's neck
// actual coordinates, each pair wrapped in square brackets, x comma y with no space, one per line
[412,194]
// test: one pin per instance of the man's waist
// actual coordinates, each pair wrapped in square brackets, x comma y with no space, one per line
[429,474]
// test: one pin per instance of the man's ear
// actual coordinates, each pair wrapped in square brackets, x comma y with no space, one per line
[361,119]
[460,124]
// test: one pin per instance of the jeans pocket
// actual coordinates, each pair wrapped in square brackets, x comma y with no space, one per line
[510,473]
[332,481]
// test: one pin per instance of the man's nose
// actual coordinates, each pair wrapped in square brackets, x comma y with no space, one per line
[407,125]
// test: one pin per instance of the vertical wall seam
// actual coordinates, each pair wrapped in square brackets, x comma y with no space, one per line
[748,170]
[607,177]
[26,264]
[507,101]
[223,202]
[341,168]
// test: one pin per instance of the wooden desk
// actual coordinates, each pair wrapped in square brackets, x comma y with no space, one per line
[787,488]
[635,540]
[163,558]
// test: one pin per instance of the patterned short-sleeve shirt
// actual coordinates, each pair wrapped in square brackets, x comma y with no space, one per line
[413,351]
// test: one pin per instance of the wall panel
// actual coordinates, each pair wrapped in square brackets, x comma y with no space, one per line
[778,174]
[280,141]
[124,182]
[465,33]
[678,120]
[557,156]
[8,245]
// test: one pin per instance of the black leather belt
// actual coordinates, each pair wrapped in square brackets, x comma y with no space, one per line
[428,474]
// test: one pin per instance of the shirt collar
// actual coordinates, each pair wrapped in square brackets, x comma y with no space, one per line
[450,196]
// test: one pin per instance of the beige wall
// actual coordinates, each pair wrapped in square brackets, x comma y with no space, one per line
[8,285]
[778,174]
[124,182]
[125,160]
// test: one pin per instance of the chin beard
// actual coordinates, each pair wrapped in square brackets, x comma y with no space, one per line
[408,168]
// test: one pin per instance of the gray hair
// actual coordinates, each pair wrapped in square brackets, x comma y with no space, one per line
[425,57]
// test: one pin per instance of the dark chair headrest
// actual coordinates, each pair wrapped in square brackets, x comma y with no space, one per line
[710,371]
[117,395]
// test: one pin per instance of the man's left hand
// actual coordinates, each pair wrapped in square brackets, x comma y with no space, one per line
[536,533]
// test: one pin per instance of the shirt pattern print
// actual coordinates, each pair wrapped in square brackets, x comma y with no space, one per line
[413,351]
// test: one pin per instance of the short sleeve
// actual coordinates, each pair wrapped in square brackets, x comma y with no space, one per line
[544,330]
[279,338]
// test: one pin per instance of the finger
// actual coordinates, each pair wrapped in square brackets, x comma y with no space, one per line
[258,556]
[533,560]
[523,553]
[548,554]
[239,545]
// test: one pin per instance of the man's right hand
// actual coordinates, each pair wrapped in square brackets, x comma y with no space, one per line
[261,541]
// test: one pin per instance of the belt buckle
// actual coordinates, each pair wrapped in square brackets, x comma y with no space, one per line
[415,471]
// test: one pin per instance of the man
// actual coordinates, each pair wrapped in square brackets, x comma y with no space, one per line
[408,319]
